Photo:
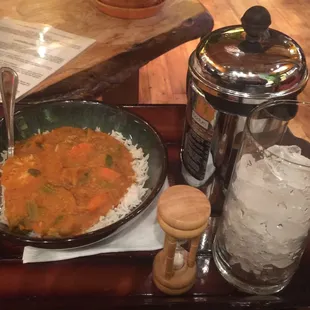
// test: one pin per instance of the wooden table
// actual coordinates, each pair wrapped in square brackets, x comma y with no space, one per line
[124,280]
[121,48]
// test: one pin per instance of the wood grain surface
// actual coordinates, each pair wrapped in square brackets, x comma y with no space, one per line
[113,36]
[184,208]
[162,81]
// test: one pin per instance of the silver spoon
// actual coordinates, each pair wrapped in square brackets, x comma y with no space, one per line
[8,88]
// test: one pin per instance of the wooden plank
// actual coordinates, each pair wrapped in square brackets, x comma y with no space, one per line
[177,72]
[144,86]
[113,37]
[190,47]
[162,86]
[288,16]
[124,93]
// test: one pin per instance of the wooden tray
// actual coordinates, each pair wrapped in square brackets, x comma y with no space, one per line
[124,280]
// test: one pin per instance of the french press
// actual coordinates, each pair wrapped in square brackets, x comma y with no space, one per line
[232,70]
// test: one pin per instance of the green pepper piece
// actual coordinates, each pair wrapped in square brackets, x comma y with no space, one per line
[32,210]
[34,172]
[108,161]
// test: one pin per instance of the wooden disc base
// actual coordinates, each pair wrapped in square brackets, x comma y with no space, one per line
[180,282]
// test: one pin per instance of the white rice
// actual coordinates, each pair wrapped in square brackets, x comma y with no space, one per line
[131,199]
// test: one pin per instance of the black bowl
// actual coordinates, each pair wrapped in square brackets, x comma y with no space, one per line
[75,113]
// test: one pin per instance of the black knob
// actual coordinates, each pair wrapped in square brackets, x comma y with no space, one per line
[256,21]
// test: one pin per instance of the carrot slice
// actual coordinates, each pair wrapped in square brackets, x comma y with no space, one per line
[97,202]
[80,149]
[108,174]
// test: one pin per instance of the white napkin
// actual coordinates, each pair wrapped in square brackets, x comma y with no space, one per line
[144,234]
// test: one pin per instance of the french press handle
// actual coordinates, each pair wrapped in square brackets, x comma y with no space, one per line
[255,22]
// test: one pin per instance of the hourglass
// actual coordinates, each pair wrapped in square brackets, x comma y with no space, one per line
[183,214]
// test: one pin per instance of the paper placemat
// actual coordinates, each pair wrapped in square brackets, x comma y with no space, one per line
[35,51]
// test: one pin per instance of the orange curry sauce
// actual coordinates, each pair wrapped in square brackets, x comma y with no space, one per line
[60,183]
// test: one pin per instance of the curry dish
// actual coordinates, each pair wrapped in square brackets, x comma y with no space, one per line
[60,183]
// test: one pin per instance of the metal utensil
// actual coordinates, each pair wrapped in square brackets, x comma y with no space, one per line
[8,89]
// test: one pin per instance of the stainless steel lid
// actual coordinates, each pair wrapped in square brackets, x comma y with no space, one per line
[250,60]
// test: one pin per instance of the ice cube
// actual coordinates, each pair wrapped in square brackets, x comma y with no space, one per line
[287,164]
[267,210]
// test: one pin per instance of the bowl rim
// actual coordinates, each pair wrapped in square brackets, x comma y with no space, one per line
[110,229]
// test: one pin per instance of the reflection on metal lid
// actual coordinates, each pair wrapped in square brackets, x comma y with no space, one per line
[274,66]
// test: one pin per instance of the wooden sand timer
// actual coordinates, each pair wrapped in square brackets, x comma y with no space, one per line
[183,214]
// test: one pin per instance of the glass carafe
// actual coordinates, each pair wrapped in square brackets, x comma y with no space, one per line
[264,227]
